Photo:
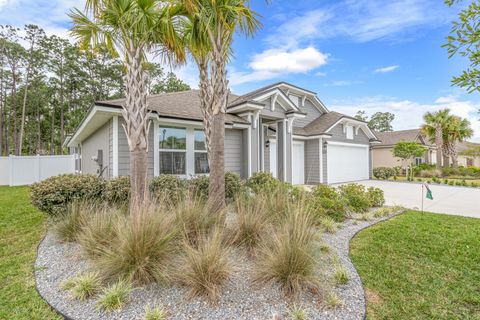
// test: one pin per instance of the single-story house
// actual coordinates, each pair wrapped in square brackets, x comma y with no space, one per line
[383,152]
[383,156]
[280,128]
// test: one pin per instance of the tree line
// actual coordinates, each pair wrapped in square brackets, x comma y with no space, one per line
[47,84]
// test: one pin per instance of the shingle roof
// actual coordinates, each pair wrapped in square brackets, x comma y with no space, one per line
[393,137]
[182,105]
[465,145]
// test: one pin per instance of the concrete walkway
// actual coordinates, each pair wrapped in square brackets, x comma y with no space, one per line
[461,201]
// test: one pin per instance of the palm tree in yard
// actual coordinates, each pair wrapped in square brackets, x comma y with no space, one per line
[456,130]
[208,36]
[435,122]
[131,29]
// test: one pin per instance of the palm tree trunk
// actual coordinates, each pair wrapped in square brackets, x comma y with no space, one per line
[216,188]
[439,142]
[454,153]
[135,114]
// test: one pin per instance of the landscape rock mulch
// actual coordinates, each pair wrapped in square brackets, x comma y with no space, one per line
[240,299]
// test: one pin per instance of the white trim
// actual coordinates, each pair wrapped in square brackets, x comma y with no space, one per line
[190,151]
[321,159]
[326,136]
[290,124]
[301,143]
[176,122]
[115,146]
[278,92]
[249,148]
[156,148]
[348,144]
[273,102]
[361,124]
[245,107]
[256,116]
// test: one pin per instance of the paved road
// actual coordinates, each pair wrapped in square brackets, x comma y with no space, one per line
[460,201]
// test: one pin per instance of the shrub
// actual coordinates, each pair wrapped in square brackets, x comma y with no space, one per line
[376,197]
[450,171]
[168,187]
[205,268]
[53,194]
[287,256]
[341,275]
[141,249]
[115,296]
[355,196]
[474,184]
[233,185]
[99,231]
[70,223]
[198,186]
[193,217]
[117,191]
[333,301]
[326,201]
[262,182]
[430,173]
[86,285]
[383,173]
[297,313]
[251,221]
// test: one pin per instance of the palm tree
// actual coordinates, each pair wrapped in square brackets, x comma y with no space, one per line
[435,122]
[208,36]
[131,28]
[456,130]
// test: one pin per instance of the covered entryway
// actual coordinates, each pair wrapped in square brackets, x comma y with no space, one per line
[298,162]
[347,162]
[273,158]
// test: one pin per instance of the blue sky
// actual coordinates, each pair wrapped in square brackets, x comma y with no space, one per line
[356,54]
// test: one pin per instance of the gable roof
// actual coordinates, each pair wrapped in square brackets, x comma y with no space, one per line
[393,137]
[179,105]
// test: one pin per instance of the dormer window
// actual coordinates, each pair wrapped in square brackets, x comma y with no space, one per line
[349,132]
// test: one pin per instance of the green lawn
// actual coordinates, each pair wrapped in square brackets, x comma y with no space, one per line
[420,266]
[21,229]
[441,179]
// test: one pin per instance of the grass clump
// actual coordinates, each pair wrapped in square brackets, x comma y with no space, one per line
[251,221]
[328,224]
[155,313]
[194,218]
[115,296]
[70,224]
[86,286]
[140,249]
[288,257]
[205,268]
[333,301]
[296,312]
[341,275]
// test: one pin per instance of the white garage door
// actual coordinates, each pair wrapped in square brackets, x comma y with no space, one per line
[298,153]
[347,162]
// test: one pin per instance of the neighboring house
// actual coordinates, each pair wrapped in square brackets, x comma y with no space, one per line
[464,160]
[280,128]
[383,151]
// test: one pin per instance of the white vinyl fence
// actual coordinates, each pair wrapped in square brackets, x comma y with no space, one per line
[22,170]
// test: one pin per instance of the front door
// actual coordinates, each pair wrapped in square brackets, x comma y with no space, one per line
[273,158]
[298,152]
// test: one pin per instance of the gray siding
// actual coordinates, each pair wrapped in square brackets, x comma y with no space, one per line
[311,111]
[124,153]
[312,161]
[324,164]
[234,153]
[99,140]
[338,135]
[280,163]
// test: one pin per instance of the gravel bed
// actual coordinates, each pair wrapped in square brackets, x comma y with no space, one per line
[240,298]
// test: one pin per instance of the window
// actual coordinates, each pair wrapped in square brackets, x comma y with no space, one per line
[349,131]
[418,161]
[173,148]
[201,159]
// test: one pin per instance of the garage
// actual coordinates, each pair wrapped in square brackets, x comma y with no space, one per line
[347,162]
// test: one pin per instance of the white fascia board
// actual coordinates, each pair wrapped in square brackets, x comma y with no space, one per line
[295,115]
[280,94]
[170,121]
[319,104]
[324,136]
[245,107]
[359,123]
[95,109]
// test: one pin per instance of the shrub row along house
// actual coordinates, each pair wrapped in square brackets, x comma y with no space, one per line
[280,128]
[383,157]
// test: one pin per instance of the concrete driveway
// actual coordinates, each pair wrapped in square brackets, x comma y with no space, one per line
[460,201]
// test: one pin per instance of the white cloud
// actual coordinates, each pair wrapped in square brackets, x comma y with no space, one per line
[275,62]
[360,20]
[409,114]
[386,69]
[342,83]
